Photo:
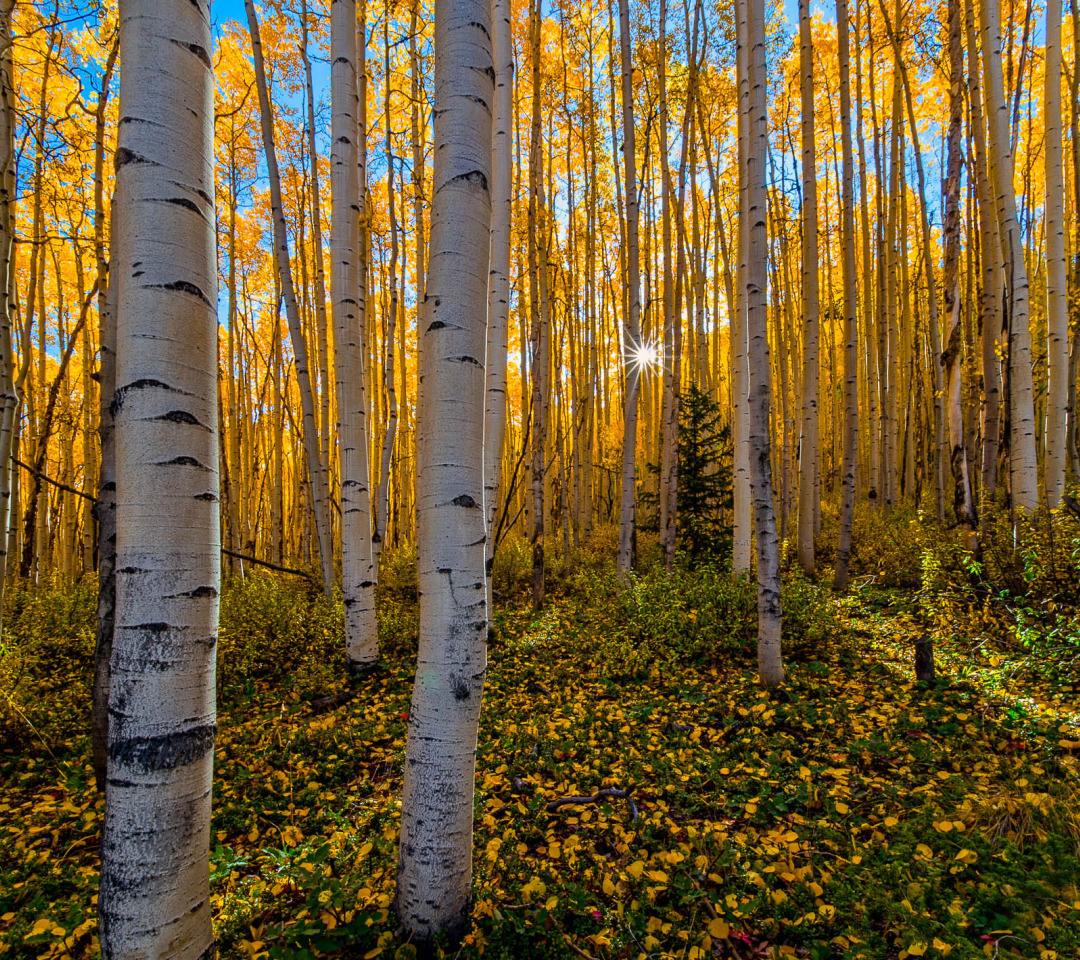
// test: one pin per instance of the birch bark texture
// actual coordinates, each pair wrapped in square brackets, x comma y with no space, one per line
[499,272]
[434,877]
[154,896]
[1023,469]
[357,574]
[1057,307]
[632,325]
[770,664]
[851,332]
[808,448]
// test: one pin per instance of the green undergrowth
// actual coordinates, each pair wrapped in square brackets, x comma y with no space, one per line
[851,813]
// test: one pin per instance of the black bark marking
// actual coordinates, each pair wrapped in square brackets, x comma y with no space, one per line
[473,177]
[165,752]
[124,156]
[149,627]
[466,360]
[182,286]
[435,325]
[464,501]
[181,462]
[208,496]
[182,202]
[195,593]
[179,416]
[459,687]
[121,394]
[196,49]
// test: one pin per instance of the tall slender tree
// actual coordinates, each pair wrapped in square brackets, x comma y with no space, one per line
[631,339]
[808,447]
[357,565]
[851,332]
[770,664]
[155,896]
[317,478]
[499,284]
[434,878]
[1057,308]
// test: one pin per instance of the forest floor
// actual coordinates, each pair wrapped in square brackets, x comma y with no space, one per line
[854,813]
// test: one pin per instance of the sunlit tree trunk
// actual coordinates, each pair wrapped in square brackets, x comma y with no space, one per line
[539,313]
[317,238]
[316,468]
[951,357]
[851,331]
[1022,463]
[348,308]
[9,398]
[434,878]
[499,274]
[631,339]
[808,458]
[770,665]
[154,896]
[992,288]
[742,530]
[1057,312]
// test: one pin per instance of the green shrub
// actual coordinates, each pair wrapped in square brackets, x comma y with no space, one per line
[691,617]
[272,628]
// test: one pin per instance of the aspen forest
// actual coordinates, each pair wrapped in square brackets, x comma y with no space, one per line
[531,479]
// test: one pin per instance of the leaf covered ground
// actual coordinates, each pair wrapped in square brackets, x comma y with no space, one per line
[852,814]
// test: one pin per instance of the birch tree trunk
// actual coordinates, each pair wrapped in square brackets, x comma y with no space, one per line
[154,895]
[1023,469]
[382,503]
[951,360]
[851,332]
[434,878]
[539,314]
[316,468]
[808,458]
[1057,308]
[991,293]
[499,275]
[632,325]
[770,665]
[9,398]
[348,308]
[317,237]
[742,531]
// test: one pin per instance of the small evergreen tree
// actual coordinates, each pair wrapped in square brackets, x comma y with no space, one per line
[704,495]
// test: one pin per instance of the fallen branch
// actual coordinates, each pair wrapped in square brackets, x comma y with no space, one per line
[608,793]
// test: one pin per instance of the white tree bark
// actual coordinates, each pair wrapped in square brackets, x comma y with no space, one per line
[632,324]
[434,879]
[742,524]
[770,664]
[154,899]
[1057,308]
[851,333]
[9,398]
[499,273]
[1023,468]
[357,575]
[320,501]
[808,456]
